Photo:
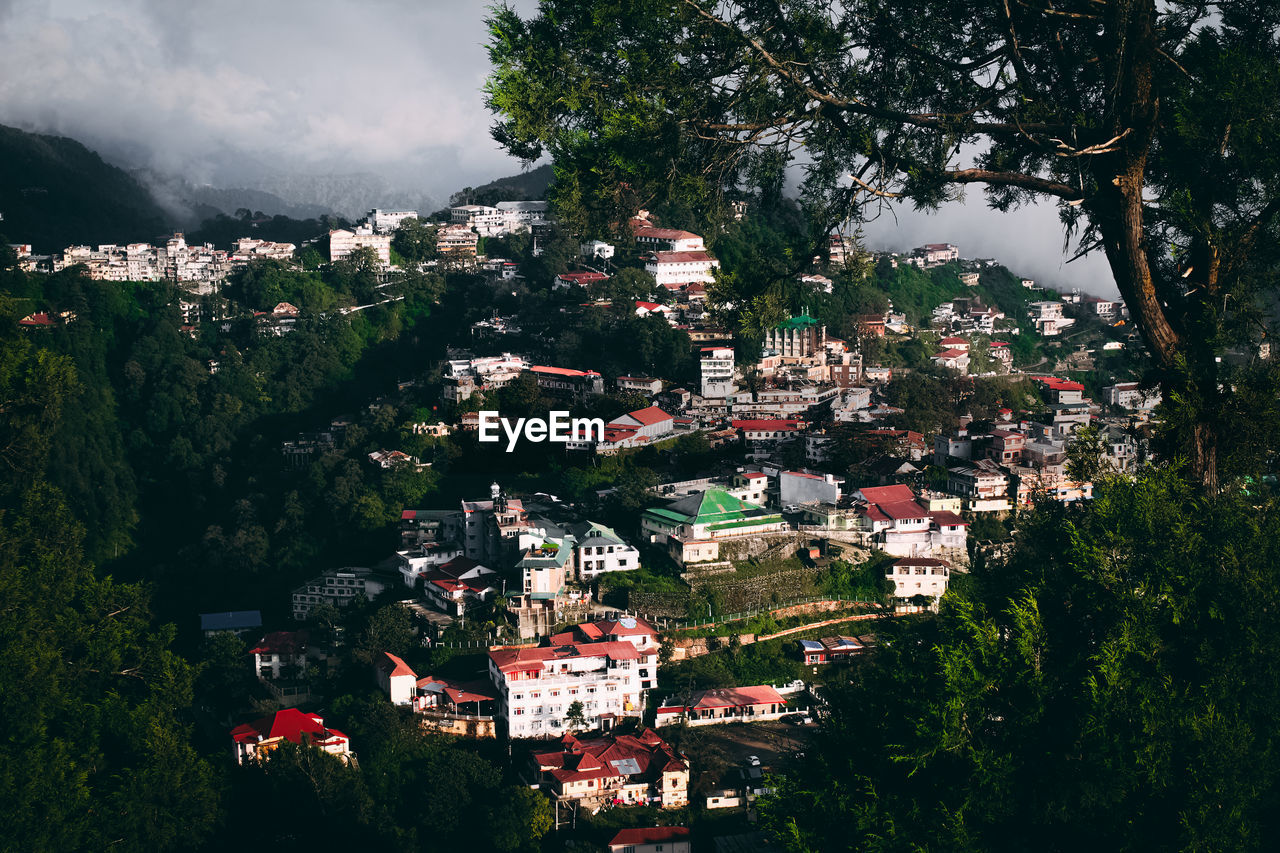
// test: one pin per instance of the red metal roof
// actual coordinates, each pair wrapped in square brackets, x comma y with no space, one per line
[650,835]
[888,494]
[779,424]
[394,666]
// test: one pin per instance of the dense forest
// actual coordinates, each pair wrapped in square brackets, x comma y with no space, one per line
[65,195]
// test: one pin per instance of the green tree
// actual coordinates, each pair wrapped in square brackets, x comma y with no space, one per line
[575,718]
[1085,693]
[1152,126]
[415,240]
[390,629]
[95,752]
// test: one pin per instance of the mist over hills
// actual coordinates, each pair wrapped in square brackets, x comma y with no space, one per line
[55,192]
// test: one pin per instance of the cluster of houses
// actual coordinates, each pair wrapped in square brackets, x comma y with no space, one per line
[199,268]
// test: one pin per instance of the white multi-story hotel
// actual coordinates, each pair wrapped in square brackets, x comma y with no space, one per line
[717,371]
[537,686]
[343,242]
[680,267]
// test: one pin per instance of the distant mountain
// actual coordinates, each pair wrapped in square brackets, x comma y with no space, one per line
[54,193]
[526,186]
[188,205]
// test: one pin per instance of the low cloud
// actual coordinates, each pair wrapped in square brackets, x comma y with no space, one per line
[211,89]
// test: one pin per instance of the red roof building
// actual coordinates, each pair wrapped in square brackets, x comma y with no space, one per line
[622,770]
[254,740]
[651,839]
[724,705]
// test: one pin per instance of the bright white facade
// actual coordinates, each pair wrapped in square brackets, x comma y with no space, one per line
[343,242]
[680,267]
[717,371]
[537,686]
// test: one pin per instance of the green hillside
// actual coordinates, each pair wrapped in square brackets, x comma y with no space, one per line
[54,192]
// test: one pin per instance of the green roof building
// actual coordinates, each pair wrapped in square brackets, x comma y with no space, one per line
[693,526]
[799,337]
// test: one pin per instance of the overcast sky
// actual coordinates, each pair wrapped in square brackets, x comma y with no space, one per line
[220,91]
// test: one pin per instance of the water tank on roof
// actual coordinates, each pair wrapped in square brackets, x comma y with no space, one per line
[627,622]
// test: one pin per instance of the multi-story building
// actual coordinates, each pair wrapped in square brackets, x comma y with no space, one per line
[717,372]
[897,524]
[668,239]
[598,550]
[1047,317]
[674,268]
[343,242]
[545,568]
[457,243]
[912,576]
[387,221]
[251,248]
[1007,446]
[983,486]
[693,528]
[464,377]
[798,337]
[635,429]
[1132,396]
[338,587]
[458,585]
[935,254]
[537,686]
[639,385]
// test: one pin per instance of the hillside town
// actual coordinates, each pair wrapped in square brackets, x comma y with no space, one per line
[552,624]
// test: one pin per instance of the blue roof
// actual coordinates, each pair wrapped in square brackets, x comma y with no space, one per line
[235,620]
[811,645]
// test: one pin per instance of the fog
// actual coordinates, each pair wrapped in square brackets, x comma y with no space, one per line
[226,91]
[386,93]
[1028,241]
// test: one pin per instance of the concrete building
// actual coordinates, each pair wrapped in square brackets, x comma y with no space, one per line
[717,372]
[800,487]
[343,242]
[912,576]
[674,268]
[800,337]
[338,587]
[620,770]
[693,528]
[537,686]
[387,221]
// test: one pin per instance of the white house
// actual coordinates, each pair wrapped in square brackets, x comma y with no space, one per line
[680,267]
[598,550]
[914,576]
[537,686]
[396,678]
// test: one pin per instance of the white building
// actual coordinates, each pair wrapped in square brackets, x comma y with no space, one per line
[717,372]
[914,576]
[1047,317]
[537,686]
[680,267]
[338,587]
[1130,395]
[668,239]
[343,242]
[598,549]
[935,254]
[387,221]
